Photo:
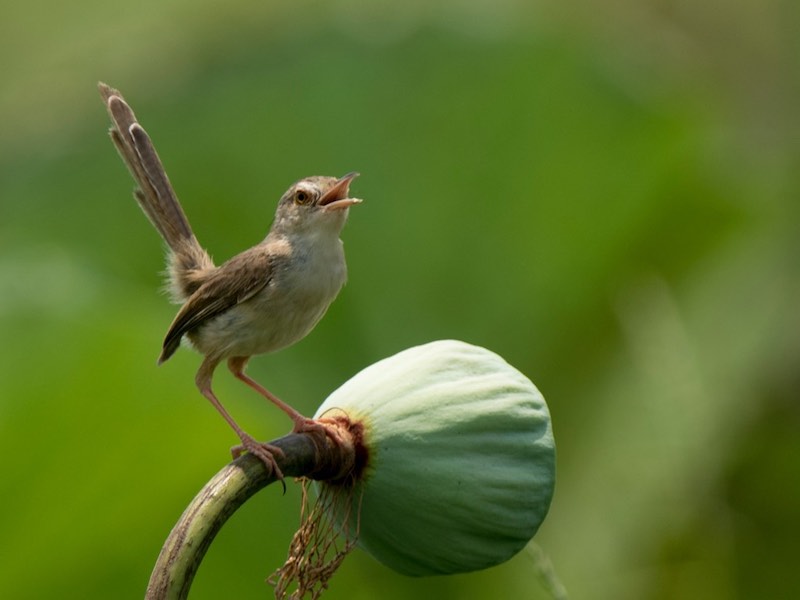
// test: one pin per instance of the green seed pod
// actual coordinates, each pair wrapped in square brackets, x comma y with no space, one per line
[460,458]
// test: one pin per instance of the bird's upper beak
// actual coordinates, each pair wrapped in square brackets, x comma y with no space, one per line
[336,197]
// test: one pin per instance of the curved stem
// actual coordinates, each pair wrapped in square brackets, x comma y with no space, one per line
[304,455]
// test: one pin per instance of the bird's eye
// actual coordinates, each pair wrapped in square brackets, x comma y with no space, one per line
[302,197]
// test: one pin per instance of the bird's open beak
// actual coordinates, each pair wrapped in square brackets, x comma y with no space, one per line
[336,197]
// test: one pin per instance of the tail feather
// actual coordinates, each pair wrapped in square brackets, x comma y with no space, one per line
[156,197]
[154,194]
[161,202]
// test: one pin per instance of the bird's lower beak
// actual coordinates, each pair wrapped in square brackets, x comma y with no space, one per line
[336,198]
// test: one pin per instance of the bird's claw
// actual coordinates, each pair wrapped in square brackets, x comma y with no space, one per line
[305,425]
[263,451]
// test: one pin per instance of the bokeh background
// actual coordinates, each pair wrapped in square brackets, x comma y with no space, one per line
[603,192]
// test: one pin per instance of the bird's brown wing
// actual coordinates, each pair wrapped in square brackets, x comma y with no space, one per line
[232,283]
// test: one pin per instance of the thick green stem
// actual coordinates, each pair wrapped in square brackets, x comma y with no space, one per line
[310,454]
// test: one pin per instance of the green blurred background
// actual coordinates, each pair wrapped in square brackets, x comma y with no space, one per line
[605,193]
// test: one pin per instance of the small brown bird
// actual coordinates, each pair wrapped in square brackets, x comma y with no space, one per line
[259,301]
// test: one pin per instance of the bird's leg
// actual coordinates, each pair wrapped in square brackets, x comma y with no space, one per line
[302,424]
[265,452]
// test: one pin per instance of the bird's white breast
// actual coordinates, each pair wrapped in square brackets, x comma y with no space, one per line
[304,280]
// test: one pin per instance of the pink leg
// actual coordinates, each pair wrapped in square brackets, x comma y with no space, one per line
[301,424]
[265,452]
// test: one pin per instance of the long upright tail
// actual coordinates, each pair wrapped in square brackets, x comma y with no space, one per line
[189,263]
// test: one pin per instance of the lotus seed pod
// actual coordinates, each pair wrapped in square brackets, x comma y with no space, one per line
[460,458]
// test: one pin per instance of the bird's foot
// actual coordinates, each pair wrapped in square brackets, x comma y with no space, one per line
[305,425]
[265,452]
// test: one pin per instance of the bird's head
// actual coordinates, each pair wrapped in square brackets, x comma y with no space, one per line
[315,203]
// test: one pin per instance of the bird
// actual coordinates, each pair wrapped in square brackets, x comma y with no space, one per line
[262,300]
